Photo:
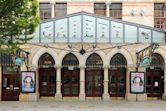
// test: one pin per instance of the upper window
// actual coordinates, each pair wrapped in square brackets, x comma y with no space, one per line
[60,9]
[45,11]
[160,15]
[116,10]
[100,9]
[159,10]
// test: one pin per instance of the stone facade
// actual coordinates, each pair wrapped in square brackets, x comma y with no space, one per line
[127,51]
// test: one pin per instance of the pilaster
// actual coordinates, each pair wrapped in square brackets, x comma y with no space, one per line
[0,82]
[82,83]
[52,2]
[164,95]
[106,96]
[142,97]
[58,95]
[108,8]
[129,96]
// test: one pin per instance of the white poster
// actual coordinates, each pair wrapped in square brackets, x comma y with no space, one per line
[137,82]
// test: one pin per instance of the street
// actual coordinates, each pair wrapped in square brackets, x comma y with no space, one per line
[113,105]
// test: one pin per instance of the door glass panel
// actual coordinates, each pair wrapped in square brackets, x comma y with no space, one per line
[66,90]
[52,79]
[51,90]
[112,90]
[5,82]
[66,80]
[75,90]
[112,78]
[97,81]
[89,85]
[16,84]
[148,80]
[121,79]
[156,81]
[98,85]
[44,90]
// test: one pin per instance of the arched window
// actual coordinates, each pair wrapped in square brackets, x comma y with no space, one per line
[118,60]
[157,60]
[70,60]
[94,60]
[46,60]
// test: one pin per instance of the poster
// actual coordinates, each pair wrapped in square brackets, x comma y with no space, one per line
[137,82]
[28,81]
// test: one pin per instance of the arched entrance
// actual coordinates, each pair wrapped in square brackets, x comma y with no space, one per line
[70,76]
[47,75]
[155,76]
[117,76]
[94,76]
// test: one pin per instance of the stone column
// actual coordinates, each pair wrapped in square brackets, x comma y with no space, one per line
[1,83]
[58,95]
[52,2]
[82,84]
[164,95]
[106,96]
[142,97]
[108,9]
[129,96]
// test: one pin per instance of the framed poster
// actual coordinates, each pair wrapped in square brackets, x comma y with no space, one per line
[137,82]
[28,82]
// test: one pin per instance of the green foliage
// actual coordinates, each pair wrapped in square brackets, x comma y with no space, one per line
[18,18]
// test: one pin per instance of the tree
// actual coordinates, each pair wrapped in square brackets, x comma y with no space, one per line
[18,18]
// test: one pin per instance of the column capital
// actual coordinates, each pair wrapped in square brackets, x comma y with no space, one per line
[106,66]
[32,67]
[108,3]
[58,66]
[82,66]
[52,2]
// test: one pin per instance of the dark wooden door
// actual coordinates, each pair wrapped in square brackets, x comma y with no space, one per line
[117,82]
[47,81]
[94,82]
[10,87]
[154,83]
[70,82]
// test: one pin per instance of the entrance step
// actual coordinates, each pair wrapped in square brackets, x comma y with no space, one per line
[47,99]
[117,98]
[93,99]
[70,98]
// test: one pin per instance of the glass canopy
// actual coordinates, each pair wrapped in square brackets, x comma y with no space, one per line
[89,28]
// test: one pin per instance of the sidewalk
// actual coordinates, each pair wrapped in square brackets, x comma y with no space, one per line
[84,106]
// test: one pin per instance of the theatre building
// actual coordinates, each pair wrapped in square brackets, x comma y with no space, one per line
[89,51]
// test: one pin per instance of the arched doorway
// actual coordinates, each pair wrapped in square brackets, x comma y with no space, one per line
[155,76]
[70,76]
[94,76]
[47,75]
[117,76]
